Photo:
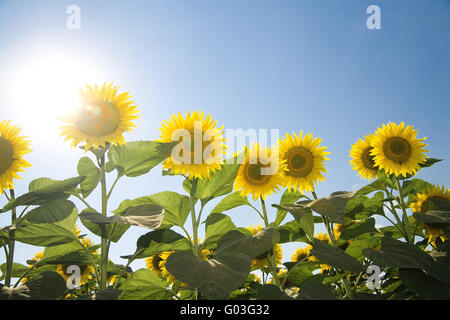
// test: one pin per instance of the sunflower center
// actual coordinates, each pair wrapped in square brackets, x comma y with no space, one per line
[397,149]
[253,174]
[6,155]
[299,162]
[99,119]
[367,159]
[155,262]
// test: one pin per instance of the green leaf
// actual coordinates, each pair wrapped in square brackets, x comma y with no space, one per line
[136,158]
[361,207]
[219,183]
[356,247]
[215,278]
[76,257]
[397,254]
[424,285]
[144,285]
[306,222]
[335,257]
[60,212]
[271,292]
[252,246]
[433,216]
[42,190]
[359,228]
[44,235]
[46,285]
[231,201]
[176,206]
[288,197]
[429,162]
[146,215]
[313,289]
[292,231]
[88,169]
[17,270]
[217,225]
[158,241]
[377,185]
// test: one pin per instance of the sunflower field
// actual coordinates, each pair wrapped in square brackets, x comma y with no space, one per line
[353,259]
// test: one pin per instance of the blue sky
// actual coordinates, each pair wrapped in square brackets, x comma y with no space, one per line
[288,65]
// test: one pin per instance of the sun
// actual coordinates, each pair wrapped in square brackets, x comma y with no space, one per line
[42,88]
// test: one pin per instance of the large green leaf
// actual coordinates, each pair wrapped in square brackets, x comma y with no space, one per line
[158,241]
[176,206]
[361,207]
[394,253]
[433,216]
[271,292]
[17,270]
[219,183]
[313,289]
[88,169]
[288,197]
[359,228]
[136,158]
[46,285]
[252,246]
[335,257]
[217,225]
[44,235]
[231,201]
[60,212]
[215,278]
[292,231]
[144,285]
[145,215]
[42,190]
[424,285]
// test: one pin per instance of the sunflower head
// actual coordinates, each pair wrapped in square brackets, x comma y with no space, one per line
[200,149]
[261,172]
[300,254]
[424,203]
[102,117]
[262,261]
[362,159]
[397,150]
[86,271]
[305,161]
[12,148]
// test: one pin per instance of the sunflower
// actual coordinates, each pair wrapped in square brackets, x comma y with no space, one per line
[103,117]
[362,161]
[397,150]
[86,272]
[12,148]
[300,254]
[424,200]
[257,176]
[152,263]
[305,161]
[201,139]
[262,261]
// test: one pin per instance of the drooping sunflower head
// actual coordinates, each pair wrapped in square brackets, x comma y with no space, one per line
[86,272]
[102,117]
[424,203]
[300,254]
[305,161]
[200,149]
[262,261]
[261,173]
[397,150]
[362,159]
[153,262]
[12,148]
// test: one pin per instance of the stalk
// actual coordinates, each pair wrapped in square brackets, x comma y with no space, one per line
[104,241]
[405,215]
[11,244]
[193,217]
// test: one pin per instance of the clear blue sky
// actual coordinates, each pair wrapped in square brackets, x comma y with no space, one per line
[287,65]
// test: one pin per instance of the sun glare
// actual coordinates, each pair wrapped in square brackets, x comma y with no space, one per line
[43,89]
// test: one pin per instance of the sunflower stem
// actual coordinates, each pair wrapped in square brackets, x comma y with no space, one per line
[104,239]
[264,210]
[11,244]
[193,217]
[409,238]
